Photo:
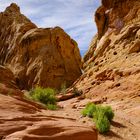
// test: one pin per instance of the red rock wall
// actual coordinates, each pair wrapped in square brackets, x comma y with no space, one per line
[36,56]
[112,66]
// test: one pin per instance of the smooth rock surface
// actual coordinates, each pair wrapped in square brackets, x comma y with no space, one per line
[21,120]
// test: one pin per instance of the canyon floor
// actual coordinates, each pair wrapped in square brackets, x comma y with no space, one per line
[24,120]
[121,128]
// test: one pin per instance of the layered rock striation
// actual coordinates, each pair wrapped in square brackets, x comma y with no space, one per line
[115,19]
[36,56]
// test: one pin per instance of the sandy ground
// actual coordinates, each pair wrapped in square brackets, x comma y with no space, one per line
[121,128]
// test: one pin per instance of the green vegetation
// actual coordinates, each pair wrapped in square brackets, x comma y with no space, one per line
[45,96]
[52,107]
[88,110]
[102,116]
[103,111]
[102,124]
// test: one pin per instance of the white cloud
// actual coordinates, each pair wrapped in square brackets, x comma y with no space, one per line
[74,16]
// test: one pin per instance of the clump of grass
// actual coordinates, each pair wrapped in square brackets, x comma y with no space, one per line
[52,107]
[102,116]
[102,124]
[103,111]
[45,96]
[88,110]
[109,113]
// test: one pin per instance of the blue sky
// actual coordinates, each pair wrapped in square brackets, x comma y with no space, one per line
[76,17]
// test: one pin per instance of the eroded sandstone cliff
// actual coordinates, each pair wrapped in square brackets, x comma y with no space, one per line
[111,65]
[36,56]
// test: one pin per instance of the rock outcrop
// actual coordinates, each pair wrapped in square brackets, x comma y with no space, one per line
[36,56]
[112,66]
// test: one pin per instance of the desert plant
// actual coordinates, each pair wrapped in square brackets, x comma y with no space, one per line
[102,124]
[43,95]
[89,109]
[52,106]
[109,113]
[102,115]
[103,111]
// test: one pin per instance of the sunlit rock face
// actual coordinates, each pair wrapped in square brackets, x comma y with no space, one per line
[111,65]
[115,14]
[117,22]
[36,56]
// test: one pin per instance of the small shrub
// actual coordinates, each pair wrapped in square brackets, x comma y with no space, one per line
[102,115]
[52,107]
[102,124]
[44,95]
[109,113]
[89,109]
[104,111]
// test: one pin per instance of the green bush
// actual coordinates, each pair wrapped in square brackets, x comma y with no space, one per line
[52,107]
[44,95]
[102,115]
[104,111]
[102,124]
[88,110]
[109,113]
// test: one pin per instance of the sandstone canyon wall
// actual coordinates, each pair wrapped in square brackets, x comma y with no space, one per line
[115,51]
[36,56]
[112,63]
